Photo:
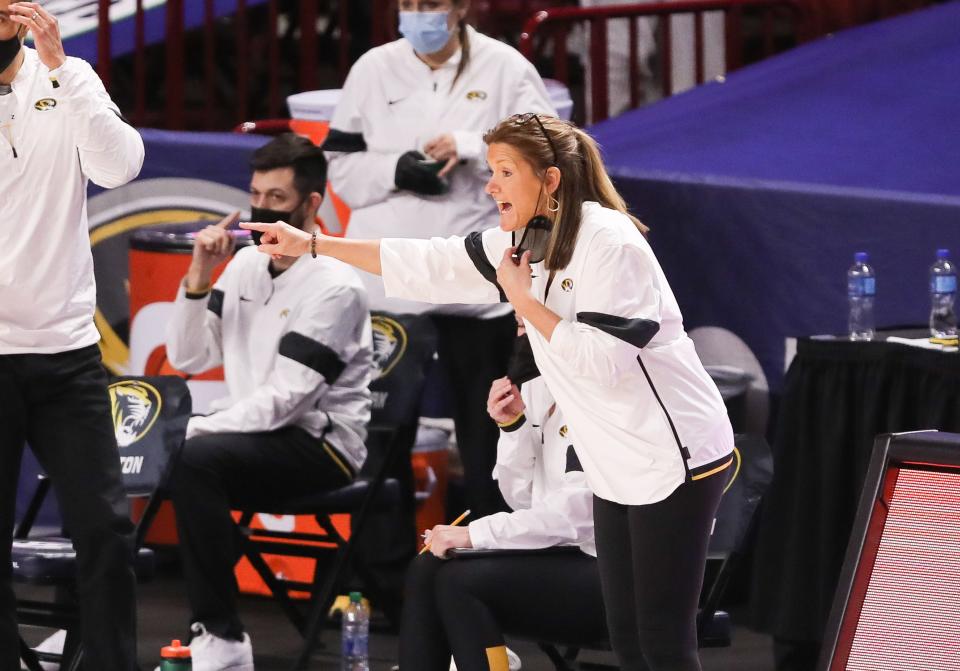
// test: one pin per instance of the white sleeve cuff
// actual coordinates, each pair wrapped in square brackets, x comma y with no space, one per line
[469,143]
[480,536]
[195,427]
[192,304]
[391,267]
[68,68]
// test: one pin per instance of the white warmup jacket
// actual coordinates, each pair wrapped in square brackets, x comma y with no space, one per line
[619,364]
[542,480]
[58,129]
[397,104]
[295,349]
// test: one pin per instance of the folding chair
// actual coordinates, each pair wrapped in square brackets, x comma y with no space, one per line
[150,419]
[404,345]
[750,475]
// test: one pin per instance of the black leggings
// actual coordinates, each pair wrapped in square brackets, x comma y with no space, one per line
[464,606]
[651,559]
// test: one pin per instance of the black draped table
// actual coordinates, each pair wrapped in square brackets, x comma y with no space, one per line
[837,396]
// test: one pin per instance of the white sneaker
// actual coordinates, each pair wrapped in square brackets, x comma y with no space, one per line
[513,661]
[212,653]
[53,643]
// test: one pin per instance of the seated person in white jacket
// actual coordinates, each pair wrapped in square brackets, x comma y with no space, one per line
[464,606]
[294,338]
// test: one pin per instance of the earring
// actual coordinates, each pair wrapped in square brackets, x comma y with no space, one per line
[550,205]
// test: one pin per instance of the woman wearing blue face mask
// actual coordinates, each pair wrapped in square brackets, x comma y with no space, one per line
[406,154]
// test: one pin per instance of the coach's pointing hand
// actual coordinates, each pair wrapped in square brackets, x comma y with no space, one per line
[280,239]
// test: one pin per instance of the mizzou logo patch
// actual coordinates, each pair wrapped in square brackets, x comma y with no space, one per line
[477,95]
[567,285]
[563,431]
[389,344]
[45,104]
[135,407]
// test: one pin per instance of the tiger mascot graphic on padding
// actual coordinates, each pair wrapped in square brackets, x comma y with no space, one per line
[135,406]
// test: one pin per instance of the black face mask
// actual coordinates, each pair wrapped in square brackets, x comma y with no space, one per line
[522,367]
[262,215]
[535,238]
[9,50]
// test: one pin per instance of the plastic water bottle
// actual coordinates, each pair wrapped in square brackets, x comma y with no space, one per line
[356,634]
[943,293]
[861,289]
[175,657]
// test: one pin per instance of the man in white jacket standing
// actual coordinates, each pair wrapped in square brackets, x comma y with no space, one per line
[59,129]
[295,341]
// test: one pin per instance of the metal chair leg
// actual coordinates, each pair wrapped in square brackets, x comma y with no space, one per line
[29,657]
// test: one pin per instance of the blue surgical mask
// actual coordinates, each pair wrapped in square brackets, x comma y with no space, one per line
[426,31]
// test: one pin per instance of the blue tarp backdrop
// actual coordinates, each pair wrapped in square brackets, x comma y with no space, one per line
[758,190]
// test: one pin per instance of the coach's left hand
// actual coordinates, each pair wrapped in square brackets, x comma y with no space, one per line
[515,278]
[444,537]
[45,29]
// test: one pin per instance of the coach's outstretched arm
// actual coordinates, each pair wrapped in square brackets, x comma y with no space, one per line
[280,239]
[439,270]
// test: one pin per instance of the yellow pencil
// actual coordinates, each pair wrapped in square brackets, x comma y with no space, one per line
[453,524]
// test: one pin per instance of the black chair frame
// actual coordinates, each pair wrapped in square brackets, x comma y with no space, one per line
[380,492]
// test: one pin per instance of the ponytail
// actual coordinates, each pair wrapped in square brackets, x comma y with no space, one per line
[599,187]
[583,177]
[464,51]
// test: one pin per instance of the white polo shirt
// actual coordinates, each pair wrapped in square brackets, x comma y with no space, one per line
[619,364]
[53,138]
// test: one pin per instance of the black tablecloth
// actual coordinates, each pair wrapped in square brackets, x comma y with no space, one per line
[837,396]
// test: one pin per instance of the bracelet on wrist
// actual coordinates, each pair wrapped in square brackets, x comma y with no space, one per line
[313,244]
[198,292]
[512,424]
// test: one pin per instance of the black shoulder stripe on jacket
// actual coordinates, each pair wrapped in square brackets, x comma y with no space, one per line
[215,304]
[342,141]
[474,245]
[312,354]
[573,462]
[637,332]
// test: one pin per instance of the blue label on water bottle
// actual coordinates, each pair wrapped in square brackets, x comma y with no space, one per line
[943,284]
[861,286]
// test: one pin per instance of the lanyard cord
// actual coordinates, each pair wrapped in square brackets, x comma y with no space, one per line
[8,135]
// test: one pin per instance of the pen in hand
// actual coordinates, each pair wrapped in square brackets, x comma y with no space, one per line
[457,521]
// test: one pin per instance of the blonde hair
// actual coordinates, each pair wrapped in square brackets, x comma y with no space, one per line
[583,176]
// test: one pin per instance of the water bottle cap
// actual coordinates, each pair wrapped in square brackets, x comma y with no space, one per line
[943,253]
[861,257]
[355,597]
[175,651]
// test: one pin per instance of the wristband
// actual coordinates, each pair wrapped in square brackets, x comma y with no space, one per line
[313,244]
[194,294]
[512,424]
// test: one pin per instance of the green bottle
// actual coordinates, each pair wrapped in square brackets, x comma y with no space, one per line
[175,657]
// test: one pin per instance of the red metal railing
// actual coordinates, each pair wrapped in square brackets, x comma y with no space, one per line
[173,75]
[203,88]
[556,24]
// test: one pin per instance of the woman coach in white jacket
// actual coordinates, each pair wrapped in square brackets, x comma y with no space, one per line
[409,110]
[650,426]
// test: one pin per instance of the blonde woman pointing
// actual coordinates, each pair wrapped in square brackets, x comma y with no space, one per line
[650,426]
